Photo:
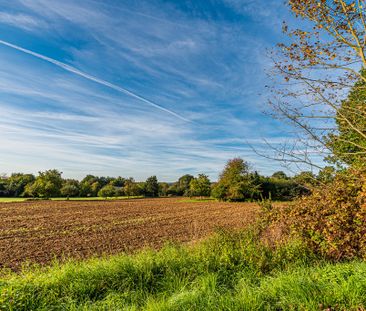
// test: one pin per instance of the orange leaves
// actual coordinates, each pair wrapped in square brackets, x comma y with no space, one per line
[331,221]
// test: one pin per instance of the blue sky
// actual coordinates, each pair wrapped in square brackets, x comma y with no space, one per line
[136,88]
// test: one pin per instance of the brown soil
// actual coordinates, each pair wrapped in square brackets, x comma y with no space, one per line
[40,231]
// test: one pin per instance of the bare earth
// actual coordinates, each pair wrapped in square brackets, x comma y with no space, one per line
[41,231]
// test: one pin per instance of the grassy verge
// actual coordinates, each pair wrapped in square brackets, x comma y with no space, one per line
[7,200]
[230,271]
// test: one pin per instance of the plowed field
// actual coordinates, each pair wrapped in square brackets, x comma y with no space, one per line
[41,231]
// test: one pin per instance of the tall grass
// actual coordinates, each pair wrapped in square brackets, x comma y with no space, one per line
[229,271]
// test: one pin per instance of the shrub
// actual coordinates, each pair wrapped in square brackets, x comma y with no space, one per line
[107,191]
[331,221]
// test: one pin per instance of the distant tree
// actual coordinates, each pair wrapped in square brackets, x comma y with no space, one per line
[218,191]
[89,179]
[306,179]
[131,188]
[163,189]
[3,186]
[47,184]
[91,184]
[173,190]
[103,181]
[235,182]
[86,189]
[327,174]
[183,184]
[107,191]
[151,187]
[279,175]
[118,182]
[70,188]
[200,186]
[348,143]
[181,187]
[95,187]
[17,182]
[281,189]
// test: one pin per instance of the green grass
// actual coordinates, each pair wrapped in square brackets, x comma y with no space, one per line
[8,200]
[230,271]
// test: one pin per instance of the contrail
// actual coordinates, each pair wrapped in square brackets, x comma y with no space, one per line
[92,78]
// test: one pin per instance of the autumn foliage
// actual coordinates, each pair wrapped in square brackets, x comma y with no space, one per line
[331,221]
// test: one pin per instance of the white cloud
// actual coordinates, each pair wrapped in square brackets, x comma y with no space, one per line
[206,71]
[22,21]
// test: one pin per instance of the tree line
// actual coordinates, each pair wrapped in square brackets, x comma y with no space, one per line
[236,183]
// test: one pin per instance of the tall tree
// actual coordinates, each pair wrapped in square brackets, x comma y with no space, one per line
[319,64]
[70,188]
[152,187]
[131,188]
[181,187]
[200,186]
[235,182]
[47,185]
[3,186]
[348,144]
[17,182]
[163,189]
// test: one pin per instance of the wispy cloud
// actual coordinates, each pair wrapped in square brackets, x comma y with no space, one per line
[132,75]
[92,78]
[22,21]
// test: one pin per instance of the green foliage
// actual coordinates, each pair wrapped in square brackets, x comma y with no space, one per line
[349,144]
[118,182]
[107,191]
[89,186]
[326,175]
[229,271]
[279,175]
[200,186]
[70,188]
[218,191]
[131,189]
[17,182]
[280,189]
[306,179]
[151,187]
[235,182]
[163,189]
[3,186]
[331,221]
[181,187]
[48,184]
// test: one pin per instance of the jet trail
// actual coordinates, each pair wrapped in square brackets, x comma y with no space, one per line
[94,79]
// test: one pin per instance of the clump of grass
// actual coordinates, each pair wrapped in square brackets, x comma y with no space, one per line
[229,271]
